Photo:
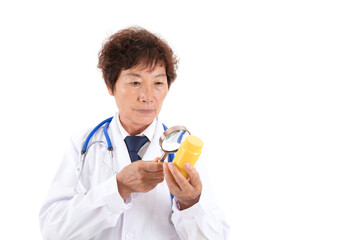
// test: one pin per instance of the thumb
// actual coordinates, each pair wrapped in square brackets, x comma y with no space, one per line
[193,175]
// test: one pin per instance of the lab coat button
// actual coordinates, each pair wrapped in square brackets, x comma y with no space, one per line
[129,236]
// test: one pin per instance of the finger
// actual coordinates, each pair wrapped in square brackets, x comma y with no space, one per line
[156,159]
[194,176]
[152,175]
[180,179]
[151,166]
[154,181]
[170,180]
[147,186]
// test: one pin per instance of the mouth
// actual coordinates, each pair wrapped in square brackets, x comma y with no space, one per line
[145,111]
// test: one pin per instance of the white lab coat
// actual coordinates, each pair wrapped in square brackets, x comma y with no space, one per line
[99,212]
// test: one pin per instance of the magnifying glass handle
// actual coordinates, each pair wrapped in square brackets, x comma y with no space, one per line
[163,157]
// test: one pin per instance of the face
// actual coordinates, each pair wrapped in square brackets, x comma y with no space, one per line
[139,94]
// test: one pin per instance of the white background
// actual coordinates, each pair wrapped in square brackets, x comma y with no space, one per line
[270,86]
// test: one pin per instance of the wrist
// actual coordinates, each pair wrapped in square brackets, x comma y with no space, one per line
[124,192]
[187,204]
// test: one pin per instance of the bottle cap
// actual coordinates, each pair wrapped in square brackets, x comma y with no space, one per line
[193,143]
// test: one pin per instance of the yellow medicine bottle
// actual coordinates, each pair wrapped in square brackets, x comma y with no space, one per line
[189,151]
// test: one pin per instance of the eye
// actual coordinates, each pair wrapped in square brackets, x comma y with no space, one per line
[159,83]
[135,83]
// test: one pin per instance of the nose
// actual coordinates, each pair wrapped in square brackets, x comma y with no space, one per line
[146,95]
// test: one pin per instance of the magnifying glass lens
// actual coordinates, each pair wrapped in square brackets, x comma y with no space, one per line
[171,140]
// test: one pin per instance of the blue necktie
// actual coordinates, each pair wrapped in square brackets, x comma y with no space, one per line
[134,143]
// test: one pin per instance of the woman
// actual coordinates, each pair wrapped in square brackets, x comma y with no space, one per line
[126,197]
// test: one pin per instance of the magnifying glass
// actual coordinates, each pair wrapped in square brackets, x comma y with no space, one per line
[171,140]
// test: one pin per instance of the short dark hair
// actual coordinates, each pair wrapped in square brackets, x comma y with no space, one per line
[131,47]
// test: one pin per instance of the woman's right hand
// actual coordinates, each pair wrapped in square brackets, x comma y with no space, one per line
[139,176]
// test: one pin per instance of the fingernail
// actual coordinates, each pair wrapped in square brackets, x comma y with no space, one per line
[170,166]
[188,165]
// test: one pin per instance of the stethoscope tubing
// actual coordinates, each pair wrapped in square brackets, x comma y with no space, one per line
[109,147]
[107,122]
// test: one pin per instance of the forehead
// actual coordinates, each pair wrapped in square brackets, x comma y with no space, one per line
[158,69]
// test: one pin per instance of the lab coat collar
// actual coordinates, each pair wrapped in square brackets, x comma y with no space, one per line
[154,149]
[121,155]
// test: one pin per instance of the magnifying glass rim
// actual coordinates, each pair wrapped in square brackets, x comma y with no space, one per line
[168,132]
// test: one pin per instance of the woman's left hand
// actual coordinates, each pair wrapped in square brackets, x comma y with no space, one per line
[186,191]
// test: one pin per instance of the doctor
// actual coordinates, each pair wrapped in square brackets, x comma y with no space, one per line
[128,196]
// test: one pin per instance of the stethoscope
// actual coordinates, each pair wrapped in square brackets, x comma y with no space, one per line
[169,142]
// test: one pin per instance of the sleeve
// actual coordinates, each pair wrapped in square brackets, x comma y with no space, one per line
[66,215]
[203,220]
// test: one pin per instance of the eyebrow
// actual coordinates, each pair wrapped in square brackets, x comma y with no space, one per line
[138,75]
[133,74]
[161,75]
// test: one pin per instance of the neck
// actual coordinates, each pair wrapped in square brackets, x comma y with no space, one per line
[133,129]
